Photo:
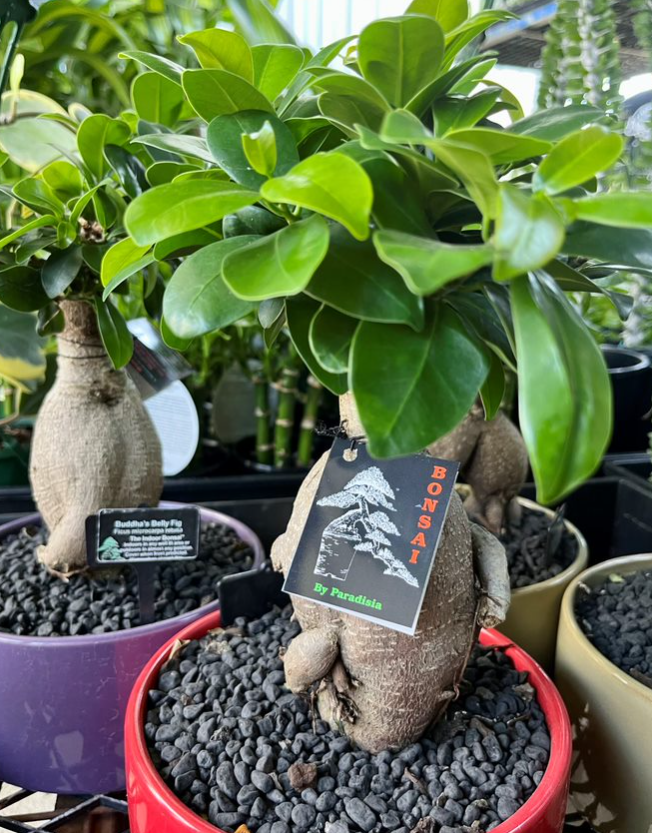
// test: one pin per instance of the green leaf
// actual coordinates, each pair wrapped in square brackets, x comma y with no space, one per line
[428,265]
[345,84]
[474,169]
[529,233]
[618,209]
[470,30]
[163,66]
[347,112]
[556,123]
[221,49]
[260,149]
[458,113]
[60,270]
[300,312]
[570,280]
[275,67]
[353,280]
[259,22]
[129,169]
[224,139]
[50,320]
[502,146]
[21,289]
[157,99]
[325,183]
[628,247]
[118,341]
[94,133]
[197,300]
[122,261]
[480,317]
[183,206]
[64,179]
[38,196]
[446,83]
[403,127]
[401,55]
[184,244]
[565,398]
[397,203]
[278,265]
[32,143]
[578,158]
[331,334]
[160,173]
[413,387]
[38,222]
[21,353]
[493,389]
[252,220]
[193,146]
[448,13]
[215,92]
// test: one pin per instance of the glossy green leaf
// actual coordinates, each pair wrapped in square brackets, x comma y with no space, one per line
[565,398]
[470,30]
[570,280]
[556,123]
[64,179]
[215,92]
[171,339]
[21,353]
[224,137]
[160,173]
[50,320]
[474,169]
[33,142]
[260,149]
[345,84]
[448,13]
[119,261]
[275,67]
[427,265]
[21,289]
[493,389]
[413,387]
[157,99]
[401,55]
[331,335]
[184,244]
[618,209]
[197,300]
[270,311]
[397,204]
[183,206]
[278,265]
[482,319]
[118,341]
[346,112]
[628,247]
[444,84]
[325,183]
[163,66]
[300,312]
[38,196]
[38,222]
[129,169]
[252,220]
[502,146]
[460,112]
[353,280]
[578,158]
[529,233]
[259,22]
[94,133]
[60,270]
[192,146]
[221,49]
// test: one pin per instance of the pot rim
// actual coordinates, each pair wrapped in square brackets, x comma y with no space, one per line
[642,362]
[636,562]
[182,621]
[577,564]
[557,770]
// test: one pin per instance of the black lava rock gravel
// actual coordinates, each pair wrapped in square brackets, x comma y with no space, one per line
[617,618]
[35,603]
[525,542]
[238,748]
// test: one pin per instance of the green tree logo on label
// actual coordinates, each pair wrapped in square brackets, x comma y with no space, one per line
[361,529]
[110,550]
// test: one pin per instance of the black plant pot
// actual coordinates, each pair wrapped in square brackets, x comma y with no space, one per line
[631,379]
[634,467]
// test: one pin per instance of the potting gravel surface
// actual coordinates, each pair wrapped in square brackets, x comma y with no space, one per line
[239,748]
[525,542]
[617,618]
[35,603]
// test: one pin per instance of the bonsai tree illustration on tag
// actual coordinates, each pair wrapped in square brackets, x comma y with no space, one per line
[110,550]
[361,529]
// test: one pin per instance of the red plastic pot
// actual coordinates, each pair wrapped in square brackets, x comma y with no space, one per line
[153,807]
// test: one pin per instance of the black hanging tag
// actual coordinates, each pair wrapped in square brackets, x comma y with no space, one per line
[371,538]
[141,539]
[250,594]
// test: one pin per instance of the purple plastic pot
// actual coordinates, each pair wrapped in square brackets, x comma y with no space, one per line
[63,699]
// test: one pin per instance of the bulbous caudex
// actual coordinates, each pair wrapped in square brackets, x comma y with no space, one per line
[385,688]
[94,445]
[494,462]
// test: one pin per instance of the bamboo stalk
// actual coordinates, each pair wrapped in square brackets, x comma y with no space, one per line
[264,446]
[307,435]
[287,390]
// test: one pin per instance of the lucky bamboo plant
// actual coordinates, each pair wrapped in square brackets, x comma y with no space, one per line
[413,250]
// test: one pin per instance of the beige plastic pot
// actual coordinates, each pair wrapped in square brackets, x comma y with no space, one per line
[611,712]
[534,611]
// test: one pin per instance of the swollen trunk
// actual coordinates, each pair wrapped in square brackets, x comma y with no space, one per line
[94,445]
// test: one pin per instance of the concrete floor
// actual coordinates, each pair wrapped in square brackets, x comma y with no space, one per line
[37,803]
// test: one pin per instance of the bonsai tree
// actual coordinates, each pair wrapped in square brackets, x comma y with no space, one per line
[93,445]
[413,250]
